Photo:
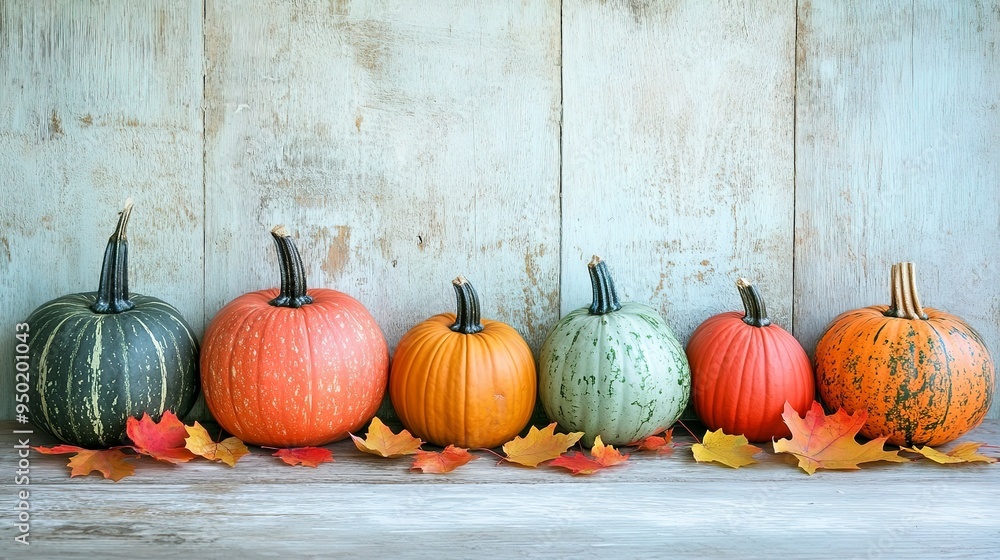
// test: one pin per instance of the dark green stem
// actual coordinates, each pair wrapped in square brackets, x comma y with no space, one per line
[905,303]
[753,304]
[292,292]
[112,291]
[467,318]
[605,295]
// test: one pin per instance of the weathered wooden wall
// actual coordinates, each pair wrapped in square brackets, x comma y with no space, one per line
[806,146]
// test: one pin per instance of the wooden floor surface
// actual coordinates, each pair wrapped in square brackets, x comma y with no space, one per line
[362,506]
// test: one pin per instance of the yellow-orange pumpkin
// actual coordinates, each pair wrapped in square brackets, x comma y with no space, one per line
[456,380]
[289,367]
[924,376]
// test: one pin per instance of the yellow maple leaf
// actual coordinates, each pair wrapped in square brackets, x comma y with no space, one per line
[200,443]
[109,462]
[965,452]
[382,442]
[539,445]
[827,442]
[732,451]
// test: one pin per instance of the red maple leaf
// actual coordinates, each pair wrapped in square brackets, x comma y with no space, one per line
[305,456]
[163,440]
[446,461]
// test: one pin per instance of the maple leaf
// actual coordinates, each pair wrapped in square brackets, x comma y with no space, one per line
[578,463]
[305,456]
[200,443]
[965,452]
[109,462]
[732,451]
[382,442]
[663,445]
[827,442]
[446,461]
[606,455]
[539,445]
[163,440]
[602,456]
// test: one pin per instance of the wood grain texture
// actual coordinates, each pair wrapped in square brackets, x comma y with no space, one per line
[651,507]
[98,102]
[898,127]
[401,147]
[677,153]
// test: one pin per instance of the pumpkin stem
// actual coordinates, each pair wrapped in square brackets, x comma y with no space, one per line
[112,291]
[292,292]
[467,318]
[753,304]
[605,295]
[905,303]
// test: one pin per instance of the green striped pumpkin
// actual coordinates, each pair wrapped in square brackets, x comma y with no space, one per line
[98,358]
[613,369]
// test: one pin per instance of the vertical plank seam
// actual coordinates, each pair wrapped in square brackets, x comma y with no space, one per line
[795,161]
[562,124]
[204,164]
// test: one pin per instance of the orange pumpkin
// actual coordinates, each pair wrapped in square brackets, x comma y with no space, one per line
[289,367]
[456,380]
[924,376]
[744,369]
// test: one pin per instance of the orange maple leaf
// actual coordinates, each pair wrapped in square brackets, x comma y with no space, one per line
[163,440]
[109,462]
[539,445]
[578,463]
[200,443]
[446,461]
[305,456]
[663,445]
[602,456]
[732,451]
[382,442]
[965,452]
[606,455]
[827,442]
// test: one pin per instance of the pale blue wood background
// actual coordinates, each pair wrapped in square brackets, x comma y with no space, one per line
[805,146]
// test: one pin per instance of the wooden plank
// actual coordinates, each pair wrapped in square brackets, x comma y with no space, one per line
[677,153]
[896,140]
[362,506]
[358,132]
[98,104]
[401,147]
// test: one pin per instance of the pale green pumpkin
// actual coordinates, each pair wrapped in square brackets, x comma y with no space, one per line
[613,369]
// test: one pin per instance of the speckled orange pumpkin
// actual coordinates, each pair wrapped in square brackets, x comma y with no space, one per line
[924,376]
[290,368]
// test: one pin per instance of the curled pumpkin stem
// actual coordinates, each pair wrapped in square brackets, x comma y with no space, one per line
[753,304]
[467,319]
[292,291]
[603,286]
[905,302]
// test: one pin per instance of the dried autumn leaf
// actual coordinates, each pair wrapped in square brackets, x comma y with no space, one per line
[163,440]
[663,445]
[539,445]
[965,452]
[305,456]
[382,442]
[732,451]
[109,462]
[827,442]
[200,443]
[446,461]
[578,463]
[606,455]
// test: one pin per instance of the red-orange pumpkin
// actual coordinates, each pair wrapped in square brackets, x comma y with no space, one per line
[460,381]
[743,370]
[924,376]
[287,367]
